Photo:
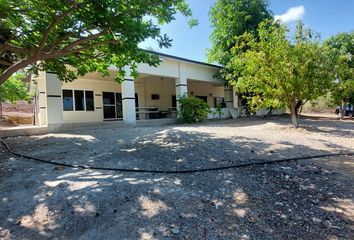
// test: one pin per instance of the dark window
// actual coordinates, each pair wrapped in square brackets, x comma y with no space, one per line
[109,112]
[90,102]
[204,98]
[108,98]
[119,105]
[136,100]
[68,103]
[155,96]
[174,101]
[109,105]
[219,101]
[79,100]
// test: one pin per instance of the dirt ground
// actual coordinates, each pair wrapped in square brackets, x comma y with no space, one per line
[307,199]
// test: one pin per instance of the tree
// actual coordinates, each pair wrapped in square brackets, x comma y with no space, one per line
[279,72]
[85,35]
[231,18]
[342,91]
[14,90]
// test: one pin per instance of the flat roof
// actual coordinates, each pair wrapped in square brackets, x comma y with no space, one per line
[182,59]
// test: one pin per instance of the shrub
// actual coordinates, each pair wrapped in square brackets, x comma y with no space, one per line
[192,109]
[218,111]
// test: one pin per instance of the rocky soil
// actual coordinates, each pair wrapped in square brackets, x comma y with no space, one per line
[307,199]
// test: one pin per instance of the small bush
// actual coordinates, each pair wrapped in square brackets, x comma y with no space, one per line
[218,111]
[193,109]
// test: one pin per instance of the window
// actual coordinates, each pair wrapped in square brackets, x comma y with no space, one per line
[155,96]
[109,105]
[108,98]
[174,101]
[219,101]
[90,104]
[79,100]
[204,98]
[68,101]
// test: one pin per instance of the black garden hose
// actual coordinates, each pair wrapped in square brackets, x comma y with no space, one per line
[188,171]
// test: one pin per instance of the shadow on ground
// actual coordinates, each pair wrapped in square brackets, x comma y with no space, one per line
[295,200]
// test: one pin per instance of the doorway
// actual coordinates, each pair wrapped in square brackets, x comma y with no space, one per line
[113,105]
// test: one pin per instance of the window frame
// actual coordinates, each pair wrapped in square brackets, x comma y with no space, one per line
[84,102]
[74,100]
[93,101]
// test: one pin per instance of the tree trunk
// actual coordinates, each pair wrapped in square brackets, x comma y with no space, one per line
[0,109]
[13,69]
[294,116]
[341,113]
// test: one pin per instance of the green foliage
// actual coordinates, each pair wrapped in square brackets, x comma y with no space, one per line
[279,72]
[14,90]
[86,35]
[342,46]
[231,18]
[192,109]
[218,111]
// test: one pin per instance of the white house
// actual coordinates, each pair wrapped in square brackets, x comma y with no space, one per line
[153,94]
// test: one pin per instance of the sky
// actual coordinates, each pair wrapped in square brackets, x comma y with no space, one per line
[326,17]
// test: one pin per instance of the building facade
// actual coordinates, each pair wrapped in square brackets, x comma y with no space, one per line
[94,98]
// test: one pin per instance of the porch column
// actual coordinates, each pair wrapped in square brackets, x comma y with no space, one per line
[54,100]
[42,99]
[229,96]
[181,84]
[128,99]
[237,103]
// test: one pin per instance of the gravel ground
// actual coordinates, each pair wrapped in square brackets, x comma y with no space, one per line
[294,200]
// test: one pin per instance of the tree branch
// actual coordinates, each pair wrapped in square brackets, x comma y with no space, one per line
[7,47]
[84,40]
[63,53]
[56,20]
[6,63]
[60,40]
[14,68]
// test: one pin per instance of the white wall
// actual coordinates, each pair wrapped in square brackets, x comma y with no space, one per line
[205,89]
[174,68]
[153,80]
[165,87]
[97,86]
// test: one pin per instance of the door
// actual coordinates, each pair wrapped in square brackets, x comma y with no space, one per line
[119,105]
[109,106]
[113,105]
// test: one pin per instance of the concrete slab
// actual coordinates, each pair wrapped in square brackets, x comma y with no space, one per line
[25,130]
[28,130]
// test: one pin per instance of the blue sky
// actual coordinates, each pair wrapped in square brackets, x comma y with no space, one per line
[327,17]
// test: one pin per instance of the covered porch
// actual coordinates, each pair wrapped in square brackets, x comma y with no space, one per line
[152,95]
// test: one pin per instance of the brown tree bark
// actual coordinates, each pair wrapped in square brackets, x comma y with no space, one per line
[294,116]
[14,68]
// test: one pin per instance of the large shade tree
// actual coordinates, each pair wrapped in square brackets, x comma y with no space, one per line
[230,18]
[343,54]
[86,35]
[278,71]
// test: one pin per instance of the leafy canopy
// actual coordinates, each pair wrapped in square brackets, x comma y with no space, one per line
[342,46]
[14,90]
[231,18]
[86,35]
[280,72]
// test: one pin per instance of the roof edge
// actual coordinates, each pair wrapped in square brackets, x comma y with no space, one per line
[182,59]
